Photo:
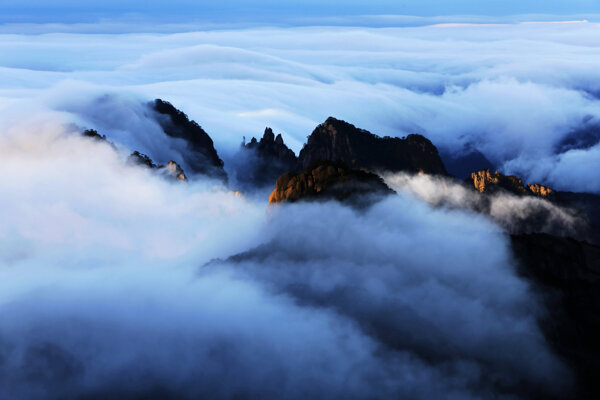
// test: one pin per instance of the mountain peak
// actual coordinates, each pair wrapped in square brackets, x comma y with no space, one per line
[268,136]
[201,157]
[337,140]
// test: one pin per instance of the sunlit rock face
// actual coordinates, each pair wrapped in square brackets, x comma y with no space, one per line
[201,157]
[262,161]
[326,180]
[540,190]
[487,182]
[337,140]
[174,170]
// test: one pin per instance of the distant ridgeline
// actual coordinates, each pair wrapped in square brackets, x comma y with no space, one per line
[344,153]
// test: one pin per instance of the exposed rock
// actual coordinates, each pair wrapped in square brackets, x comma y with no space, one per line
[539,190]
[92,133]
[138,158]
[486,182]
[171,170]
[567,275]
[201,157]
[336,140]
[265,160]
[326,180]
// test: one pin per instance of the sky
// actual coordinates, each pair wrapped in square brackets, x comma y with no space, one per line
[294,11]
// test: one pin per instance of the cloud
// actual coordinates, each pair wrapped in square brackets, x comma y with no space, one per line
[105,268]
[514,91]
[107,288]
[516,214]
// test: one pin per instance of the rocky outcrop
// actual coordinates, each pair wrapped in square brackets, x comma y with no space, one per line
[171,170]
[486,182]
[264,160]
[540,190]
[326,180]
[137,158]
[93,134]
[566,273]
[337,140]
[174,170]
[201,156]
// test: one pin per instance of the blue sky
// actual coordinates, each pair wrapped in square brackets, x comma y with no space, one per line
[66,11]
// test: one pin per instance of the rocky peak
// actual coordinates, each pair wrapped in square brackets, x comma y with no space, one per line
[279,140]
[174,170]
[201,157]
[337,140]
[265,160]
[171,170]
[540,190]
[326,180]
[92,133]
[486,182]
[268,136]
[137,158]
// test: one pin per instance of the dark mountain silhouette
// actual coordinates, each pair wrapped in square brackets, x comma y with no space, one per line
[461,164]
[93,134]
[201,157]
[337,140]
[325,180]
[566,274]
[138,158]
[263,161]
[171,170]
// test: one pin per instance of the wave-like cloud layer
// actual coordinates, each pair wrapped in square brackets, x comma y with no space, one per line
[520,93]
[107,288]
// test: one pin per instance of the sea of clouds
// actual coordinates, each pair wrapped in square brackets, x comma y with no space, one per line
[117,282]
[519,93]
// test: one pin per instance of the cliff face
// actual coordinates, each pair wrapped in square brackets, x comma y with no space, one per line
[201,157]
[326,180]
[264,161]
[337,140]
[486,182]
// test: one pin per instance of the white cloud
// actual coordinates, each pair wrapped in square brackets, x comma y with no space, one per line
[513,90]
[103,279]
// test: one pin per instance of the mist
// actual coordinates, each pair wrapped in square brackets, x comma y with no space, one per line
[454,83]
[118,282]
[515,214]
